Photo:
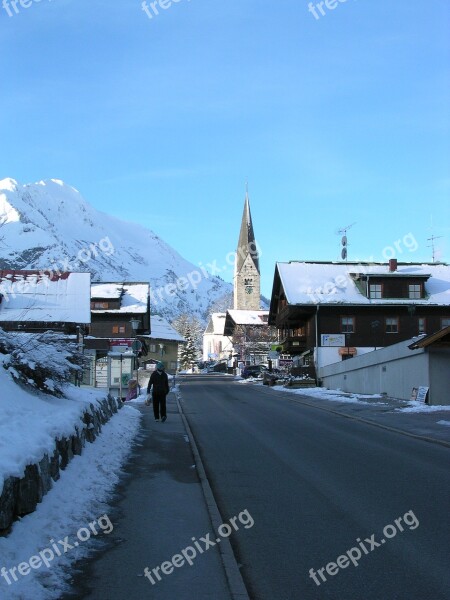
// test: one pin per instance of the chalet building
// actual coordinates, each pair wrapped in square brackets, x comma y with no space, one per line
[250,334]
[162,344]
[38,301]
[327,312]
[115,308]
[216,345]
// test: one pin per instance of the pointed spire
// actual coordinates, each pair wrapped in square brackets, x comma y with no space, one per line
[247,242]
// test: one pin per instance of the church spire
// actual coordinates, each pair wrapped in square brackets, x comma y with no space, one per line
[247,274]
[247,241]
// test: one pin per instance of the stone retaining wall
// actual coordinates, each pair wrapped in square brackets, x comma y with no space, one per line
[20,497]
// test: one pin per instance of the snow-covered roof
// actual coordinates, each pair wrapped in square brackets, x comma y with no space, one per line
[249,317]
[334,283]
[133,296]
[216,324]
[41,297]
[162,330]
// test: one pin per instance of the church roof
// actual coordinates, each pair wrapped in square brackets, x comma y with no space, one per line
[247,243]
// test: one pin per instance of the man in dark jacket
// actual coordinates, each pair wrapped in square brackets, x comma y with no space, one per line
[160,384]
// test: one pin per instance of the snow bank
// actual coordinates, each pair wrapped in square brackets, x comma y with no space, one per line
[78,498]
[31,421]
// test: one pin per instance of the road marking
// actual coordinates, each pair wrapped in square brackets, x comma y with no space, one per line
[217,540]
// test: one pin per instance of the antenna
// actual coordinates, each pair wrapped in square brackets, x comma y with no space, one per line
[431,239]
[343,231]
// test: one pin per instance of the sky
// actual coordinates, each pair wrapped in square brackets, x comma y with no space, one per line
[336,120]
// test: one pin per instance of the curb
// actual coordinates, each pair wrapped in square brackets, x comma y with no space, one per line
[234,578]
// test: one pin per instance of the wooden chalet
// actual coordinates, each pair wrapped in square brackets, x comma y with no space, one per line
[326,312]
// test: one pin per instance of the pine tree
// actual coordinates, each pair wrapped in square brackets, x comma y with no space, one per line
[188,352]
[185,324]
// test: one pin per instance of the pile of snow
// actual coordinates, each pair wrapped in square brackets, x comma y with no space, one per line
[77,499]
[30,421]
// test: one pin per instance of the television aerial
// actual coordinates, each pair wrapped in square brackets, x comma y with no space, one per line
[344,241]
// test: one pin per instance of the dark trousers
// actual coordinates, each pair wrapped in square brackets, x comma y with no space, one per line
[159,405]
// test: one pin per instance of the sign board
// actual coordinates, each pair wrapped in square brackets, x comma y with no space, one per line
[285,362]
[420,394]
[332,339]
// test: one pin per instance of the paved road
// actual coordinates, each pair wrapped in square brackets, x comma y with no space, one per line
[317,486]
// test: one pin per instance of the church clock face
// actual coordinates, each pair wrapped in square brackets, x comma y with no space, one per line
[248,289]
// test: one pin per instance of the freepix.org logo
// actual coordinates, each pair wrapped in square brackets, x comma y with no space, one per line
[13,7]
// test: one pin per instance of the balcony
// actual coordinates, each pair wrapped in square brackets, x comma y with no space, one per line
[293,345]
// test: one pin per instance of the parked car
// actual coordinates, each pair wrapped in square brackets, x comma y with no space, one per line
[253,371]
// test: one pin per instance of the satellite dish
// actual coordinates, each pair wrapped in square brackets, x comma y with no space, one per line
[344,253]
[344,240]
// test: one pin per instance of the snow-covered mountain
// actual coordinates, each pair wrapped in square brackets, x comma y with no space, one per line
[48,225]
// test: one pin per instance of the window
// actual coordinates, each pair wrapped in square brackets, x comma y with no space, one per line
[152,348]
[422,324]
[118,328]
[375,290]
[445,322]
[347,324]
[99,305]
[248,281]
[121,328]
[391,324]
[415,290]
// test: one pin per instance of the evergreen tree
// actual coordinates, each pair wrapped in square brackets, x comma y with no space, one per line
[185,324]
[188,351]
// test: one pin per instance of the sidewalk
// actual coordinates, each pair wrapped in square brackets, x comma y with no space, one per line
[158,509]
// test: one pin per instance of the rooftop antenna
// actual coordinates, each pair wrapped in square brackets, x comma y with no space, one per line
[431,239]
[344,241]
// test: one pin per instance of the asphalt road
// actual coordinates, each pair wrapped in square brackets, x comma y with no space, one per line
[324,492]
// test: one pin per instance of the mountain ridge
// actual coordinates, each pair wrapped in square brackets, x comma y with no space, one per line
[48,225]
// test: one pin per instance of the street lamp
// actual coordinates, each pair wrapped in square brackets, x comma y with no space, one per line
[135,323]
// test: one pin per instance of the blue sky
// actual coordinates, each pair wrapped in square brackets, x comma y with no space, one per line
[333,120]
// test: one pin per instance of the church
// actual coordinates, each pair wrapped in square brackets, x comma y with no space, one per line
[242,333]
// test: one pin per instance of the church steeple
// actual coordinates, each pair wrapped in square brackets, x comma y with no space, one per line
[247,274]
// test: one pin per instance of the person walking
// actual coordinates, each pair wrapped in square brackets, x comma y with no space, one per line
[160,384]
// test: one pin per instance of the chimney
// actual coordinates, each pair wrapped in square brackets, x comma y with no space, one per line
[392,265]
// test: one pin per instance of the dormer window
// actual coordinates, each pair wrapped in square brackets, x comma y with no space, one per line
[415,291]
[99,305]
[375,290]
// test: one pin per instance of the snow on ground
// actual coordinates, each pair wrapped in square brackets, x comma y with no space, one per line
[74,509]
[447,423]
[325,394]
[417,407]
[30,421]
[339,396]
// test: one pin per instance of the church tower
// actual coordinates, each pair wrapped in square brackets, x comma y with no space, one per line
[247,278]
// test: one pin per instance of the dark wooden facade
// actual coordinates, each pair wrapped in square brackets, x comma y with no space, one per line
[366,325]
